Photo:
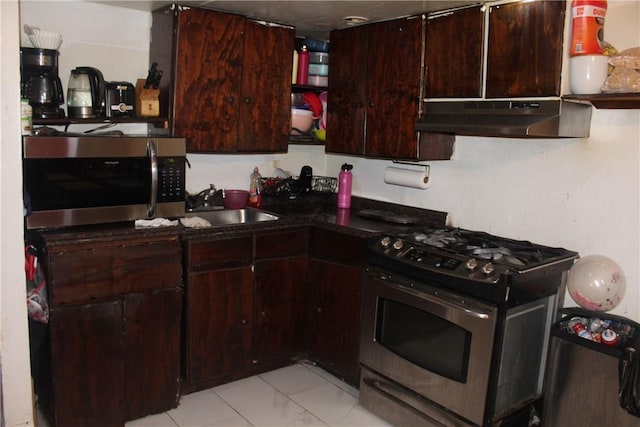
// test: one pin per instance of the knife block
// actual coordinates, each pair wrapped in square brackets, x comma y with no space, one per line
[147,100]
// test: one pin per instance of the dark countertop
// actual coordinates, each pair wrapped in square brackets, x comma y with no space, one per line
[319,209]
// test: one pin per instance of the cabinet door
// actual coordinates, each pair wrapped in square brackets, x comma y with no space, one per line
[335,293]
[152,357]
[265,104]
[524,57]
[279,308]
[347,89]
[394,67]
[208,72]
[87,365]
[219,314]
[454,54]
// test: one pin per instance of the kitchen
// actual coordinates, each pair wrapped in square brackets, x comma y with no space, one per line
[576,193]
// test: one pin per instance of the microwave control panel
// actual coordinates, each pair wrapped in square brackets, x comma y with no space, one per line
[171,179]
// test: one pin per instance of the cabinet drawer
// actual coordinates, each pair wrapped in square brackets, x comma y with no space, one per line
[220,253]
[112,270]
[282,244]
[338,247]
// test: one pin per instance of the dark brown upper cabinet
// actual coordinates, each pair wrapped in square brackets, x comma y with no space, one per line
[523,57]
[221,90]
[374,91]
[454,53]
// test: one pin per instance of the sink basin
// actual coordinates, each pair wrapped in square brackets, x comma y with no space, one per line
[233,216]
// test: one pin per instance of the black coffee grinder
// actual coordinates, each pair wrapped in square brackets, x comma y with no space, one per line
[40,84]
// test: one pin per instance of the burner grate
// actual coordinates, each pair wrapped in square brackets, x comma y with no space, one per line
[481,245]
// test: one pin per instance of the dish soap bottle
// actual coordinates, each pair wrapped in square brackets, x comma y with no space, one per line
[344,186]
[255,189]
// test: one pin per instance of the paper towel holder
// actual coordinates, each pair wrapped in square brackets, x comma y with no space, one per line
[427,168]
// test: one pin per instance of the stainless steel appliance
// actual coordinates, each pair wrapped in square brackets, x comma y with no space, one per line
[512,119]
[40,84]
[90,180]
[86,93]
[455,327]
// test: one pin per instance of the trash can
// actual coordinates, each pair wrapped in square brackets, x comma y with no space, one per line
[582,383]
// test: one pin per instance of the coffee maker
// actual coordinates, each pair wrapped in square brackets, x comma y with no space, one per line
[40,84]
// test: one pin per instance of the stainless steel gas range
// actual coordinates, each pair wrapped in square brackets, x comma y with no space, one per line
[455,326]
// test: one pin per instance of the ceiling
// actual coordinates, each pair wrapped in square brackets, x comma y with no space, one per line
[311,18]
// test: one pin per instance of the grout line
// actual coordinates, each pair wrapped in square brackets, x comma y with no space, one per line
[329,377]
[230,406]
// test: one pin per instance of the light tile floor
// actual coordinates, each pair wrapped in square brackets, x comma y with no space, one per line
[297,395]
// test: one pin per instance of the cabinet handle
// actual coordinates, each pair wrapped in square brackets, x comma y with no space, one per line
[244,321]
[319,310]
[263,314]
[357,105]
[247,100]
[230,99]
[371,104]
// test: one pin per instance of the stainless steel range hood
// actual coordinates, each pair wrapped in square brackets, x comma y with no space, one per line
[512,119]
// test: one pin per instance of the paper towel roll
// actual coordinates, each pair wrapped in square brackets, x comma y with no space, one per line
[406,178]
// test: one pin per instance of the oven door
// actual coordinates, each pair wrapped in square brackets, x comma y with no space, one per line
[428,340]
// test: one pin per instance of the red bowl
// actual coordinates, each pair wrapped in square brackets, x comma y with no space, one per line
[235,199]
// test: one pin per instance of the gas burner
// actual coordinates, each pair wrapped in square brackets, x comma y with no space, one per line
[480,245]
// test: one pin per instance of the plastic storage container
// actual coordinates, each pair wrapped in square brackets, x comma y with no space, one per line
[587,27]
[319,58]
[321,81]
[318,69]
[317,45]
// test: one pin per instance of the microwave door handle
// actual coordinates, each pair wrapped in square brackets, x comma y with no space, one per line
[152,153]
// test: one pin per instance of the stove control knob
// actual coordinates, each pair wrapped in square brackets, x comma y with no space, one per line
[488,269]
[398,244]
[385,241]
[472,264]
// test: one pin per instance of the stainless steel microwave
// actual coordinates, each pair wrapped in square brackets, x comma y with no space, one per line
[78,180]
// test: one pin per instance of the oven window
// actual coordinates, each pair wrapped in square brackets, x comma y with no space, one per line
[423,339]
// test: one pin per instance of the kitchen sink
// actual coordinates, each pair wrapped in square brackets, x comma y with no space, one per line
[233,216]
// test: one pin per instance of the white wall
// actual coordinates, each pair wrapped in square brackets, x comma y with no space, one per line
[582,194]
[15,380]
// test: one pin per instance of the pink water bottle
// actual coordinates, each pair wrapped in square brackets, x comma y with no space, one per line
[303,66]
[344,186]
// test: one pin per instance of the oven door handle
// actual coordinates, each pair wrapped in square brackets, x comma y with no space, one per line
[442,299]
[152,153]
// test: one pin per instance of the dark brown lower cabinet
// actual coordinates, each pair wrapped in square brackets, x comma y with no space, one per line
[87,365]
[152,343]
[334,299]
[219,324]
[113,348]
[245,305]
[279,309]
[125,339]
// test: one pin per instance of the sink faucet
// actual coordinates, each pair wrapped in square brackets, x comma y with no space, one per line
[210,194]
